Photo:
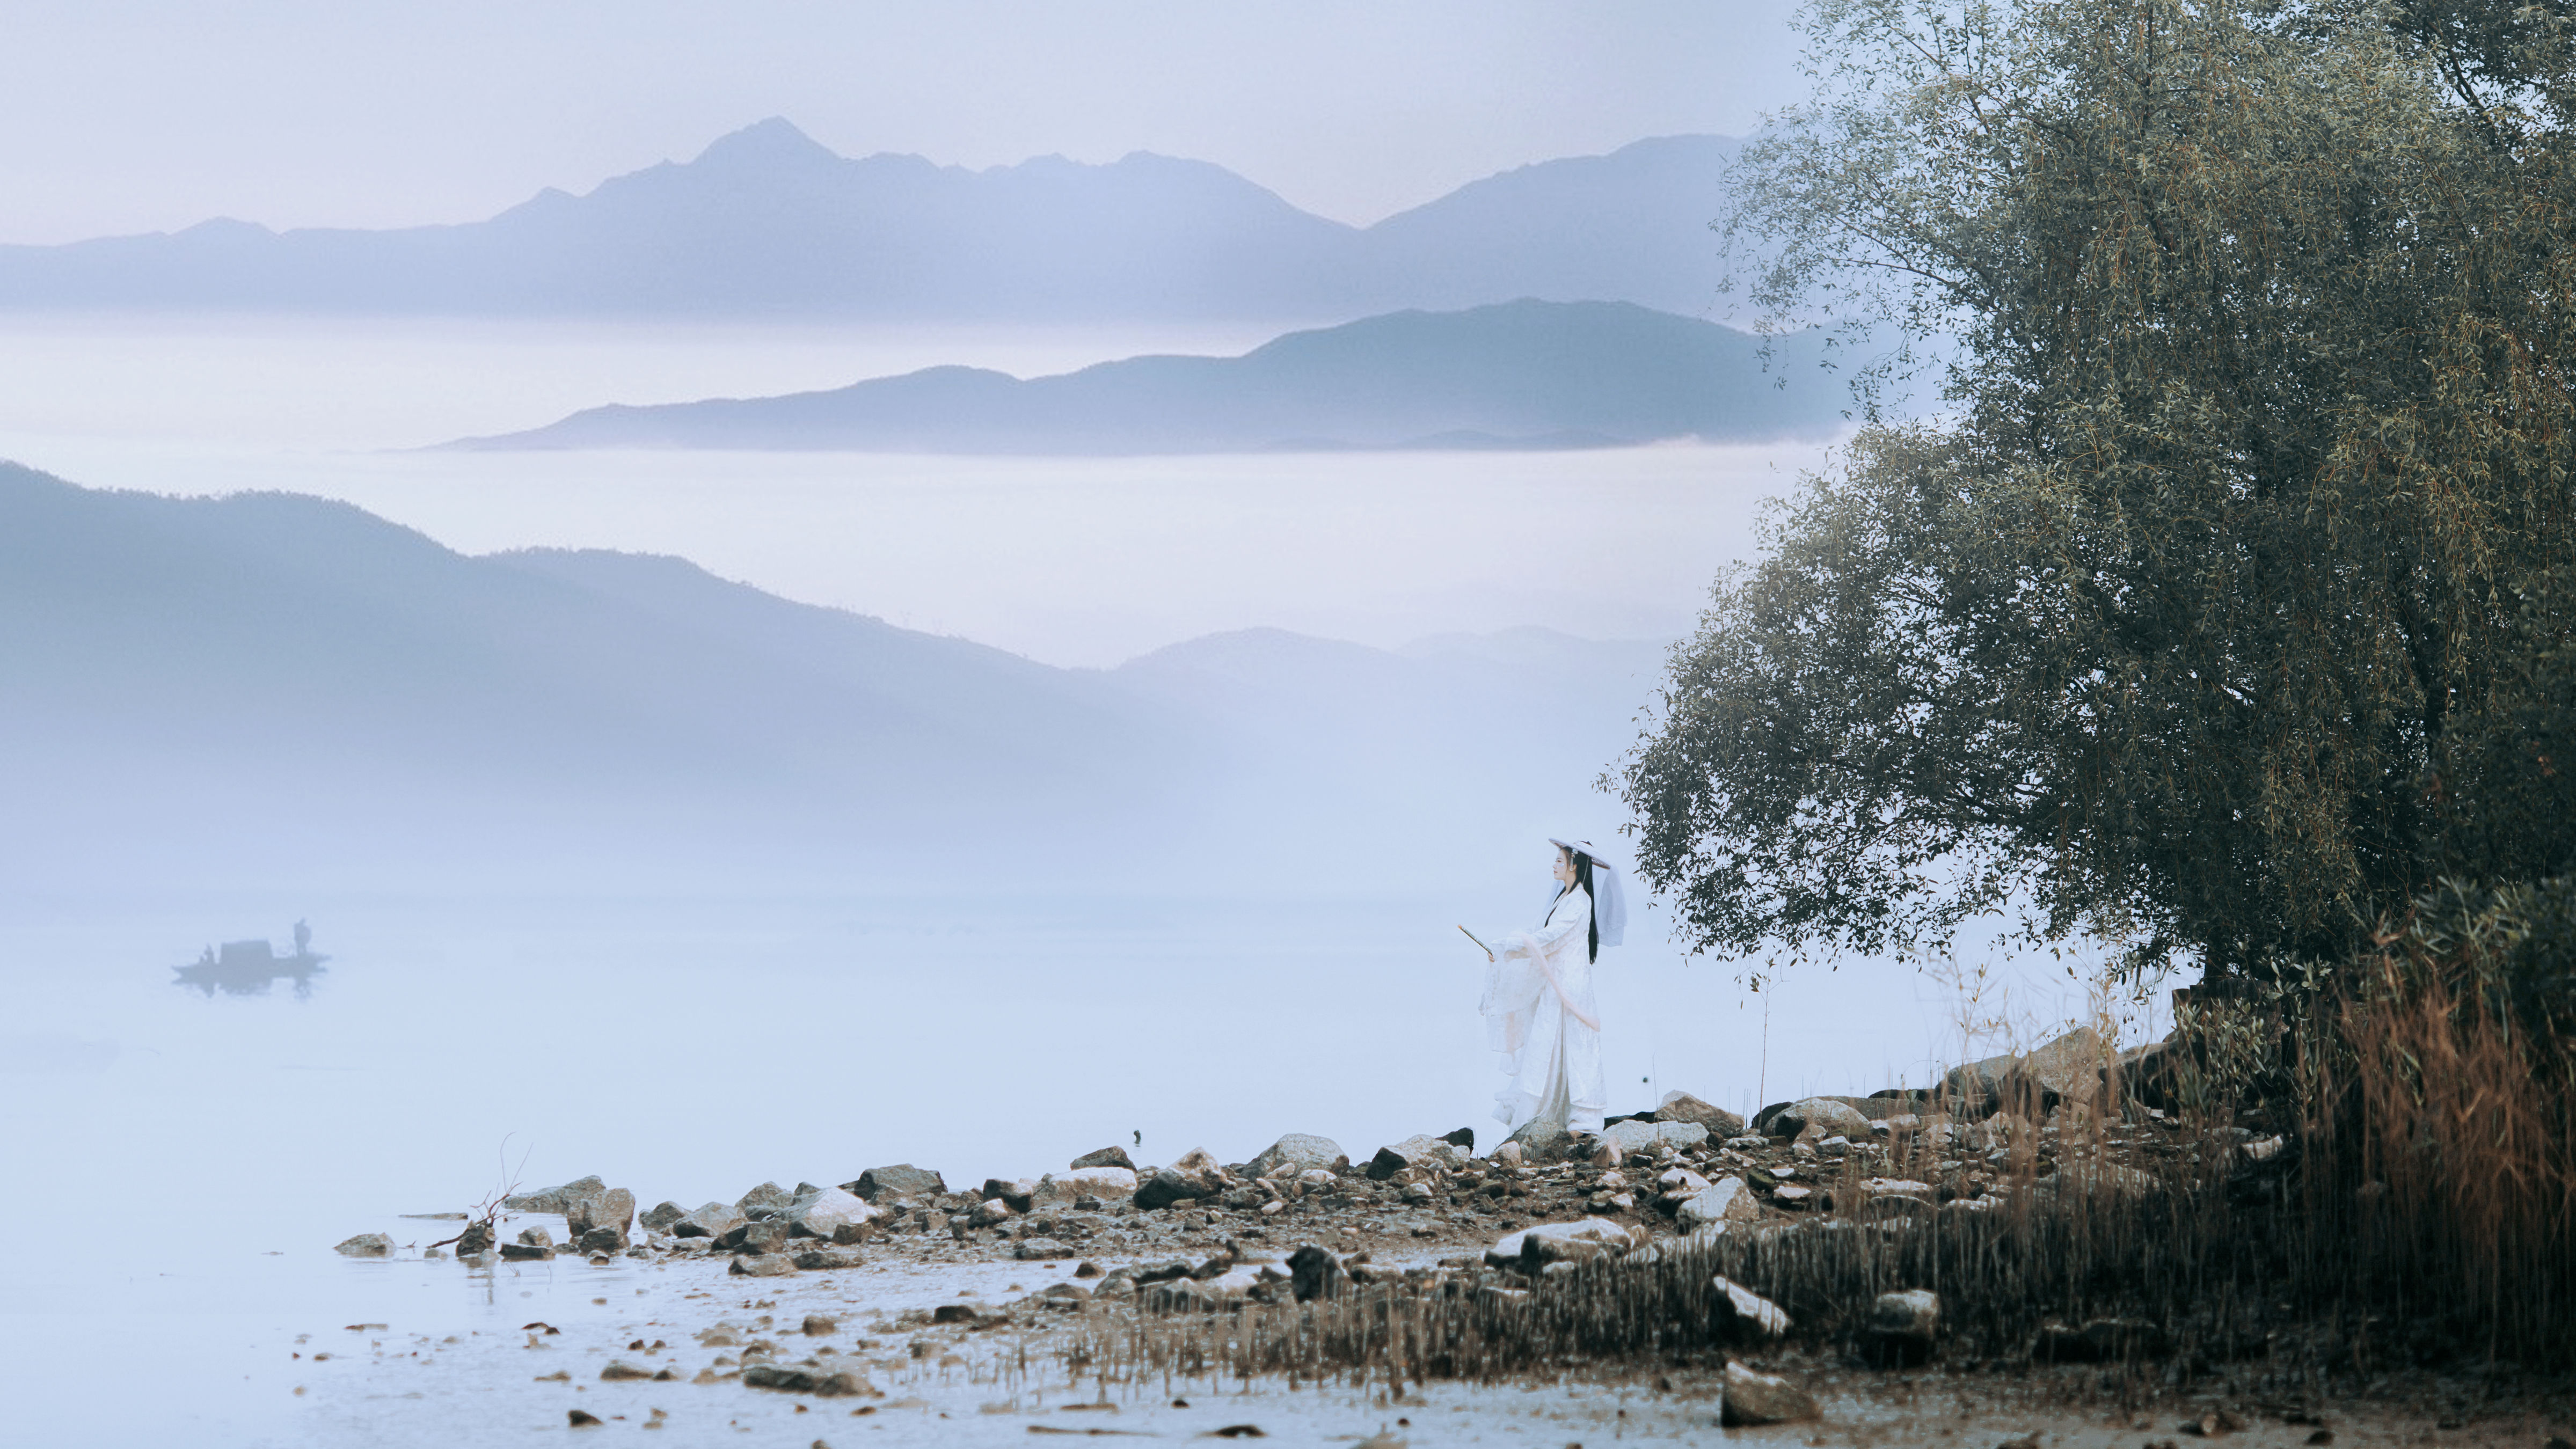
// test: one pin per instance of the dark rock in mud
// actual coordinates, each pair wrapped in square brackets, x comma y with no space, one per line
[601,1239]
[619,1370]
[1040,1249]
[1299,1152]
[900,1180]
[1683,1107]
[579,1420]
[1315,1273]
[365,1245]
[527,1252]
[821,1382]
[660,1217]
[1758,1398]
[554,1199]
[711,1221]
[1104,1157]
[764,1265]
[965,1312]
[1902,1327]
[822,1259]
[477,1238]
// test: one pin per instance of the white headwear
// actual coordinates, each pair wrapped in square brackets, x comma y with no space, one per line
[1609,902]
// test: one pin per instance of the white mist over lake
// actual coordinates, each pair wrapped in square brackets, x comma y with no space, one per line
[692,1046]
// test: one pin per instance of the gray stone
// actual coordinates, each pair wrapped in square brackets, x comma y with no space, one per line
[1903,1325]
[968,1311]
[826,1212]
[1635,1136]
[1018,1192]
[1300,1152]
[1314,1273]
[365,1245]
[767,1196]
[764,1235]
[554,1199]
[1178,1295]
[536,1237]
[820,1380]
[764,1265]
[601,1239]
[1975,1089]
[1196,1175]
[1683,1107]
[1541,1142]
[1824,1116]
[1105,1157]
[711,1221]
[1039,1249]
[1572,1243]
[1107,1183]
[611,1208]
[1746,1316]
[2068,1069]
[1756,1398]
[661,1215]
[527,1252]
[1727,1200]
[900,1180]
[1418,1151]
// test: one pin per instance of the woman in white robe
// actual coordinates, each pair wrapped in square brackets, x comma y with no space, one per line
[1538,1006]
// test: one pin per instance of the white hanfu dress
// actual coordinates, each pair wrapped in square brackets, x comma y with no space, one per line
[1539,1014]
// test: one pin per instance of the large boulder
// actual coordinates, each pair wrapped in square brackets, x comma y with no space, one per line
[900,1180]
[1751,1398]
[829,1212]
[1105,1157]
[1745,1316]
[1727,1200]
[1422,1151]
[659,1217]
[554,1199]
[711,1221]
[612,1209]
[1299,1152]
[1314,1272]
[1975,1089]
[768,1197]
[1542,1142]
[1827,1116]
[1634,1136]
[1019,1192]
[1195,1176]
[2068,1069]
[1903,1325]
[1100,1182]
[1572,1243]
[1683,1107]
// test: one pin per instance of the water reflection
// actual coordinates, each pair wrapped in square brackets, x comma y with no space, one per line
[248,968]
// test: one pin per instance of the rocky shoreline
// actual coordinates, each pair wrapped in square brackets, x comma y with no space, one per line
[1686,1214]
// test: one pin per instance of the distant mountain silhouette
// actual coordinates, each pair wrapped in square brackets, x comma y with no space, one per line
[268,687]
[766,222]
[1516,375]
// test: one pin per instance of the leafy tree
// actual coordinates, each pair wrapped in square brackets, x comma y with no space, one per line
[2214,614]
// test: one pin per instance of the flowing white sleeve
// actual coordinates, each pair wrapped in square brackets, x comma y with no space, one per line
[1567,918]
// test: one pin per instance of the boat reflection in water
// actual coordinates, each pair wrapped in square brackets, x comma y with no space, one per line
[247,968]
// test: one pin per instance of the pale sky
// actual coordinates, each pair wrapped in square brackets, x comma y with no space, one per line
[119,116]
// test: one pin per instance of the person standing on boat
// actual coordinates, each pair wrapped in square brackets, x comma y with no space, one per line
[1538,1007]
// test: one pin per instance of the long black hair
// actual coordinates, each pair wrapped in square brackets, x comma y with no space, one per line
[1583,878]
